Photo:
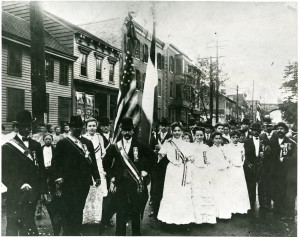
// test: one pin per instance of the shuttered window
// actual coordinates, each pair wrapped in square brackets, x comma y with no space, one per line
[138,80]
[64,109]
[98,68]
[14,61]
[49,69]
[158,61]
[15,103]
[111,72]
[63,73]
[83,68]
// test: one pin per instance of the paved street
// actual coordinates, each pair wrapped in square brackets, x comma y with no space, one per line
[262,224]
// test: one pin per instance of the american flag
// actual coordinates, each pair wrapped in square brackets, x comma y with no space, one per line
[127,104]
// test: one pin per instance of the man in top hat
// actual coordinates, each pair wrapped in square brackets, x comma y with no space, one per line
[128,175]
[23,173]
[256,150]
[159,170]
[73,166]
[284,175]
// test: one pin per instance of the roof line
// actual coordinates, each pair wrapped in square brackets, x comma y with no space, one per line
[110,19]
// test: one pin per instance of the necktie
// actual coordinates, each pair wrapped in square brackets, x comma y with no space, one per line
[24,139]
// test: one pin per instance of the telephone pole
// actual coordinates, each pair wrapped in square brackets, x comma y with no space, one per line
[211,92]
[237,103]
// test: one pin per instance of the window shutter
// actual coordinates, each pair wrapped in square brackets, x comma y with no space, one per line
[15,103]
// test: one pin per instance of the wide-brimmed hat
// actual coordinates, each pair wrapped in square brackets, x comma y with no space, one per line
[246,121]
[24,118]
[104,121]
[164,122]
[282,124]
[76,121]
[256,127]
[126,123]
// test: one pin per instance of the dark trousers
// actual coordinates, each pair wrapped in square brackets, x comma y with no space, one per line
[290,198]
[54,210]
[265,190]
[278,193]
[251,185]
[108,208]
[21,215]
[127,200]
[73,201]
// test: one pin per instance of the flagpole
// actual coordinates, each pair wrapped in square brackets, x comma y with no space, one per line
[252,101]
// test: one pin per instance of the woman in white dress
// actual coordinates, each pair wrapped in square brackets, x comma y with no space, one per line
[202,196]
[93,205]
[218,165]
[176,206]
[235,153]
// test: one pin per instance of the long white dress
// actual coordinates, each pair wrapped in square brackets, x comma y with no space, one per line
[93,206]
[240,200]
[176,206]
[221,183]
[202,196]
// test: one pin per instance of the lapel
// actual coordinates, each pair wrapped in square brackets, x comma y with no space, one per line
[252,146]
[19,140]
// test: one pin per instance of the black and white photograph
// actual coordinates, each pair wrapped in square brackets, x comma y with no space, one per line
[149,118]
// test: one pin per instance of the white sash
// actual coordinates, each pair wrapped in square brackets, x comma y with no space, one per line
[23,151]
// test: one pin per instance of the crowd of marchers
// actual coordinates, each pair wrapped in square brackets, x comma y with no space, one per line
[197,173]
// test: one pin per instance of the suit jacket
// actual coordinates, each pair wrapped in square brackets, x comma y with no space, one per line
[68,163]
[254,172]
[287,168]
[155,140]
[17,169]
[105,140]
[117,170]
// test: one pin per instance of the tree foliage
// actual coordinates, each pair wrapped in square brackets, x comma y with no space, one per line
[290,87]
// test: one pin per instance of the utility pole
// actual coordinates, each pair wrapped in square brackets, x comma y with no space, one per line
[37,56]
[252,102]
[237,103]
[211,92]
[217,77]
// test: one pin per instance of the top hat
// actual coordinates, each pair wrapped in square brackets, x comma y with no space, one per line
[282,124]
[24,118]
[164,122]
[267,120]
[256,127]
[76,121]
[232,122]
[104,121]
[246,121]
[126,123]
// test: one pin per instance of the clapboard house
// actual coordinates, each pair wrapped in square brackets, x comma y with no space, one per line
[16,72]
[95,73]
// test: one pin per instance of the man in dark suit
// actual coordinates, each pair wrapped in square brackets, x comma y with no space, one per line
[159,170]
[256,150]
[74,165]
[284,175]
[23,173]
[128,175]
[245,125]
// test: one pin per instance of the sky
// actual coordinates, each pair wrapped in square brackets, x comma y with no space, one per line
[256,39]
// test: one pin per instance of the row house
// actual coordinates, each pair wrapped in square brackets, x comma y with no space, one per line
[243,106]
[95,74]
[171,64]
[16,72]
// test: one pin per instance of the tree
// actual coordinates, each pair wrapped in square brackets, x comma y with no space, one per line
[290,89]
[195,84]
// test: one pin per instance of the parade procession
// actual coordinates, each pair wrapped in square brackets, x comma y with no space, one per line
[107,130]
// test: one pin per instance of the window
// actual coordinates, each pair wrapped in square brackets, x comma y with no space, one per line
[138,80]
[83,67]
[171,89]
[64,109]
[145,53]
[171,64]
[14,61]
[98,68]
[158,61]
[159,87]
[64,73]
[137,49]
[142,51]
[111,72]
[179,68]
[178,91]
[49,69]
[15,103]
